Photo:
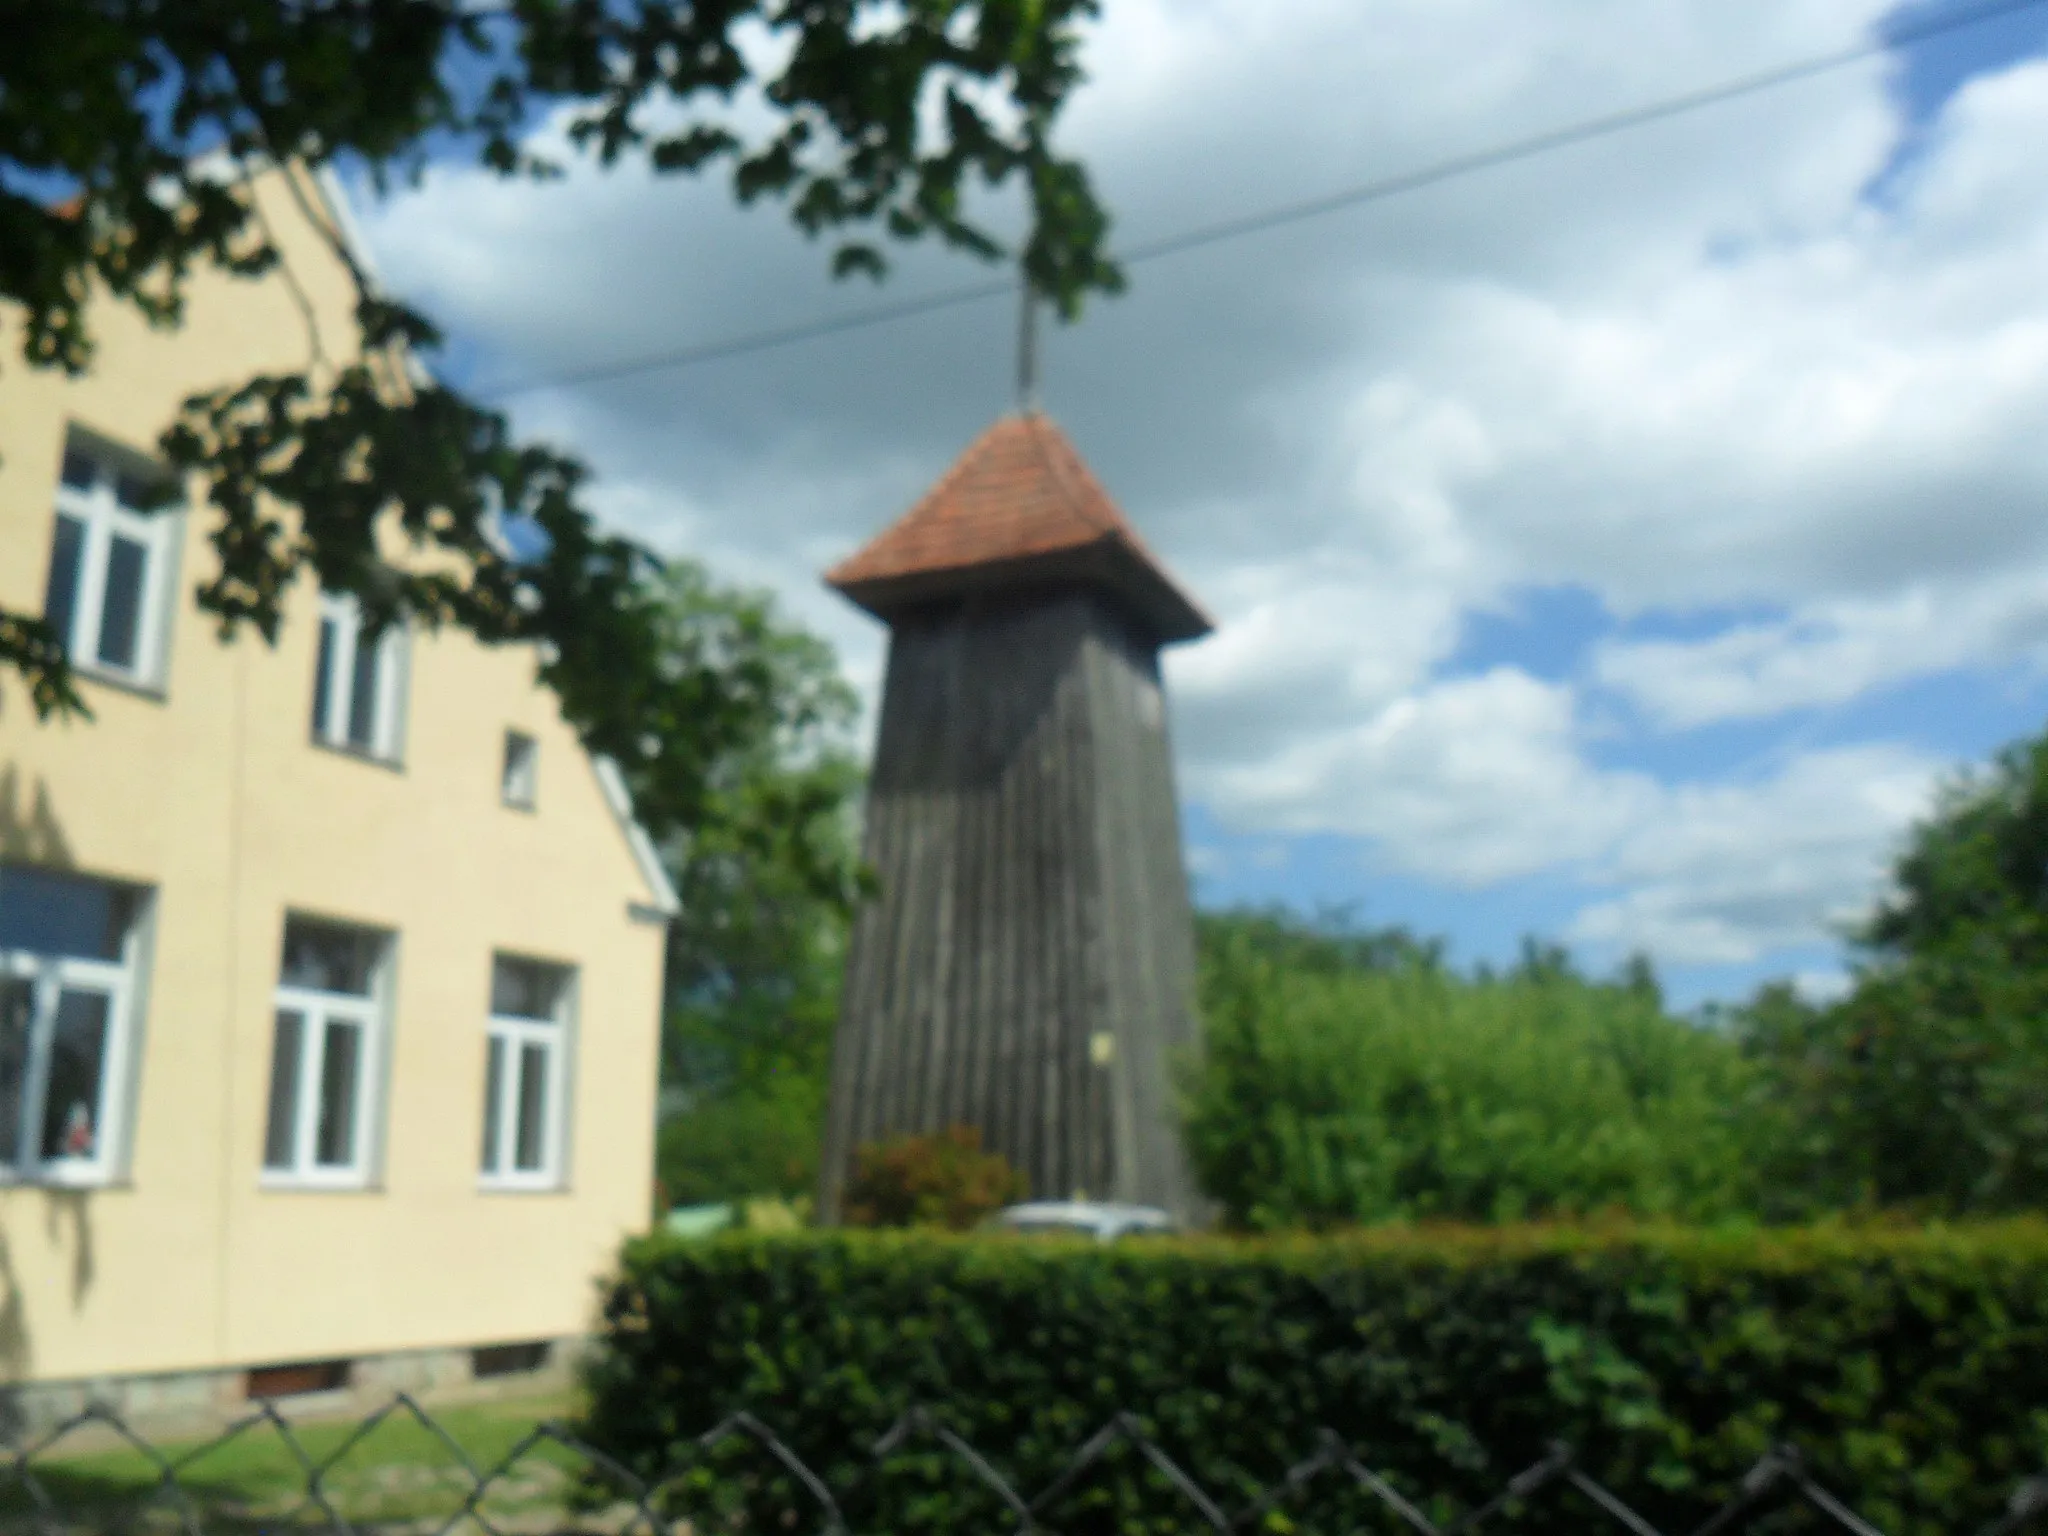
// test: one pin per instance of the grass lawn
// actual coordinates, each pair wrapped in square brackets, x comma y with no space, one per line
[399,1475]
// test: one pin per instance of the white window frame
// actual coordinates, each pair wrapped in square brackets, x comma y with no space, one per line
[337,689]
[159,533]
[555,1036]
[316,1010]
[48,976]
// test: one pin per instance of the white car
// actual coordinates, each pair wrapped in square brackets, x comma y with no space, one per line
[1104,1222]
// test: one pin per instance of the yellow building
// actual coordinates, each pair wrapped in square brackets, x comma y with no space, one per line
[329,972]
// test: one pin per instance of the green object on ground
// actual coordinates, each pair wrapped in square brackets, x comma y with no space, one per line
[698,1220]
[774,1215]
[1905,1363]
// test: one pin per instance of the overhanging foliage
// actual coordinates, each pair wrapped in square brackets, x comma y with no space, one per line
[128,129]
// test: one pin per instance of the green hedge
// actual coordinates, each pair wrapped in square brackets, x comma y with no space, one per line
[1909,1366]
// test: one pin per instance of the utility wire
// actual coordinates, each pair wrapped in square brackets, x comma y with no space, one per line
[1890,39]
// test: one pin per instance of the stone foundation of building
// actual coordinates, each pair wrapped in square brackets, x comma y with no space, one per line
[185,1405]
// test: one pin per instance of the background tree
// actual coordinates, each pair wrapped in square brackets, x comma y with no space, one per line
[1330,942]
[1349,1076]
[128,129]
[1927,1085]
[767,880]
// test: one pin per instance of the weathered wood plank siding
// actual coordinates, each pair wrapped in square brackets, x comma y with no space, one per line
[1021,821]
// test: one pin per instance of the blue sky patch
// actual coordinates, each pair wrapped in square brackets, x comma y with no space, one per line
[526,539]
[1544,631]
[1927,75]
[1549,631]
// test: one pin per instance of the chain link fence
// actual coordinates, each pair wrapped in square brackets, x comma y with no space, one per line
[95,1474]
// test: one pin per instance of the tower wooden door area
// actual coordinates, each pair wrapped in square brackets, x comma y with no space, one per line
[1027,966]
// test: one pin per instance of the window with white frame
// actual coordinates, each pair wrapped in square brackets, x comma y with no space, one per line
[359,682]
[325,1054]
[526,1064]
[109,590]
[68,962]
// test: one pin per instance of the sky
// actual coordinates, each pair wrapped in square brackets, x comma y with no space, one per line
[1618,547]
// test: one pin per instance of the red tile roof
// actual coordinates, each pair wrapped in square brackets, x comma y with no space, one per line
[1018,506]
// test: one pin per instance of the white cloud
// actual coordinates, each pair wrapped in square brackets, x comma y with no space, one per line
[1694,367]
[1482,779]
[1821,986]
[1833,652]
[1724,873]
[1472,781]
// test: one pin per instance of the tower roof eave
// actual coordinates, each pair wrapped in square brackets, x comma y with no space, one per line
[1018,508]
[1106,563]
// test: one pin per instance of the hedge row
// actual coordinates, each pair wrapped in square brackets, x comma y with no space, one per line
[1909,1366]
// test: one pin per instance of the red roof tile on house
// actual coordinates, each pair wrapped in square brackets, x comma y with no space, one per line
[1017,507]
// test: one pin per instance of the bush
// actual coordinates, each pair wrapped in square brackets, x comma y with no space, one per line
[944,1180]
[1349,1091]
[1904,1364]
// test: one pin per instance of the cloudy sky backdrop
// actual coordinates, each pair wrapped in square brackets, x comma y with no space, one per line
[1616,546]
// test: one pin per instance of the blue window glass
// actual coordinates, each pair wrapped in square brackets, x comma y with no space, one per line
[324,957]
[362,698]
[78,1059]
[320,671]
[17,1023]
[60,596]
[533,1087]
[494,1066]
[47,913]
[524,989]
[139,494]
[284,1089]
[334,1136]
[121,607]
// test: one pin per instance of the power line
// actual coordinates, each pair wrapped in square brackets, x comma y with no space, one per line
[761,341]
[1895,37]
[1578,133]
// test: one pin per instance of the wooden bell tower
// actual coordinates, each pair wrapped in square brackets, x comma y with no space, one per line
[1028,964]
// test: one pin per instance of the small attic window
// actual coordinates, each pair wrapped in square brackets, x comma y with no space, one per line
[520,779]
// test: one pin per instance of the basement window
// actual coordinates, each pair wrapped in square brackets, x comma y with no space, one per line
[507,1359]
[296,1380]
